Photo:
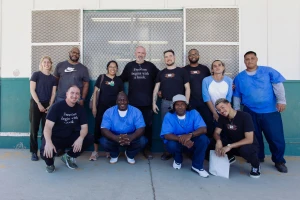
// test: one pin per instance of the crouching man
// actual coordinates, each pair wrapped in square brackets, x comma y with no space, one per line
[66,127]
[184,130]
[238,138]
[123,125]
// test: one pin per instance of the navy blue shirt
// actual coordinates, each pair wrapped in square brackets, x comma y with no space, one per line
[67,120]
[44,85]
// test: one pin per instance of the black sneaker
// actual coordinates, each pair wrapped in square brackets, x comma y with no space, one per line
[34,157]
[255,172]
[231,159]
[50,168]
[281,167]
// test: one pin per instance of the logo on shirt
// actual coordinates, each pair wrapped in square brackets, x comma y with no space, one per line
[170,75]
[231,127]
[195,72]
[111,83]
[70,69]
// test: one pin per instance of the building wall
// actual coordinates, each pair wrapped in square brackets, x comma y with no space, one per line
[269,27]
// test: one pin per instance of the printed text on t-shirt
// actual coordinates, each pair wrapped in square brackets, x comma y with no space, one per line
[69,118]
[139,73]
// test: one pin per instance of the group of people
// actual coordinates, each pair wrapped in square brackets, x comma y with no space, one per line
[196,111]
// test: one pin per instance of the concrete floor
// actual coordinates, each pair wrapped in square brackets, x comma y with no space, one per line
[23,179]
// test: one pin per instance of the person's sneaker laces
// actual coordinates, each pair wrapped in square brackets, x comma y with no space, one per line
[34,157]
[255,172]
[50,168]
[94,156]
[130,160]
[201,172]
[176,165]
[231,159]
[281,167]
[69,161]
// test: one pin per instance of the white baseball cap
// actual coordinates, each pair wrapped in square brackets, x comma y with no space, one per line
[178,97]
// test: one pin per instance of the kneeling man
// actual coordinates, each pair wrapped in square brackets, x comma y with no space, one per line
[123,125]
[184,130]
[66,127]
[238,138]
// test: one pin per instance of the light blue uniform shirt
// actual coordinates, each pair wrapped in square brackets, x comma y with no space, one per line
[213,90]
[122,125]
[256,91]
[173,125]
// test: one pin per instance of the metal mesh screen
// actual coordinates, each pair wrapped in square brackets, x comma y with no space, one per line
[57,54]
[113,35]
[55,26]
[212,25]
[227,54]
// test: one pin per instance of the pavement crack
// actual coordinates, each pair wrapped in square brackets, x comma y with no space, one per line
[151,178]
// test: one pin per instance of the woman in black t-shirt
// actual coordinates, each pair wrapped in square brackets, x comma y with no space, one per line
[110,85]
[43,90]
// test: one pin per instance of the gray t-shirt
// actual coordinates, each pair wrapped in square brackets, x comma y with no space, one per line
[68,75]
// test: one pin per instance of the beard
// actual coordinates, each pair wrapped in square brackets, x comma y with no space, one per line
[170,64]
[194,62]
[74,60]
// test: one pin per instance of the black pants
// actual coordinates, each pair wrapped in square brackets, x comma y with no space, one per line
[207,116]
[36,118]
[148,118]
[63,143]
[97,130]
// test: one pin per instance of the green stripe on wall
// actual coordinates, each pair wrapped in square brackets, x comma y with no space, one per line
[14,111]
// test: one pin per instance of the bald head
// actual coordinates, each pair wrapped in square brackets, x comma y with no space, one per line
[140,54]
[74,54]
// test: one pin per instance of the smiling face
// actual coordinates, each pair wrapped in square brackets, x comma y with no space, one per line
[72,95]
[169,58]
[193,56]
[122,102]
[180,108]
[224,109]
[112,69]
[217,67]
[140,54]
[74,54]
[46,64]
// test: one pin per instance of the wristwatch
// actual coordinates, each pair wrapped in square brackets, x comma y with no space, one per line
[229,145]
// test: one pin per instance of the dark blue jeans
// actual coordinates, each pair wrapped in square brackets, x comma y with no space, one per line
[131,150]
[200,144]
[271,125]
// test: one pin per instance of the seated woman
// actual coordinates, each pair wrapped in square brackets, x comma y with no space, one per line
[216,86]
[184,130]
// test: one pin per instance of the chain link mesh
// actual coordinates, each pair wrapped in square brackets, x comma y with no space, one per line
[57,53]
[113,35]
[227,54]
[212,25]
[55,26]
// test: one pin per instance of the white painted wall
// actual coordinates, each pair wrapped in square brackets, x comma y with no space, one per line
[269,27]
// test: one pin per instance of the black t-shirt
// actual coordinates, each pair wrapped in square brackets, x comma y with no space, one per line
[236,128]
[172,82]
[109,90]
[141,81]
[44,85]
[197,74]
[67,119]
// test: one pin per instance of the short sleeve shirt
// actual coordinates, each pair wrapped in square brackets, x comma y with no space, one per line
[128,124]
[67,120]
[172,82]
[141,80]
[173,125]
[69,75]
[235,129]
[44,85]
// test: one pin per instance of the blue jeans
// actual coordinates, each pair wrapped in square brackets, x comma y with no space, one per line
[200,144]
[271,125]
[131,150]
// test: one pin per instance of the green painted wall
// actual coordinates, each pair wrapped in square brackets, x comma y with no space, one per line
[14,110]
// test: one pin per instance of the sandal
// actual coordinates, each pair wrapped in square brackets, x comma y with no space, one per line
[94,156]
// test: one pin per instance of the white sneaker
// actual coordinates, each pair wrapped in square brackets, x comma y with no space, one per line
[130,160]
[176,165]
[113,160]
[201,172]
[94,156]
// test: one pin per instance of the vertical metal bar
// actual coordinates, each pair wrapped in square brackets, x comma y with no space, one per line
[81,35]
[184,36]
